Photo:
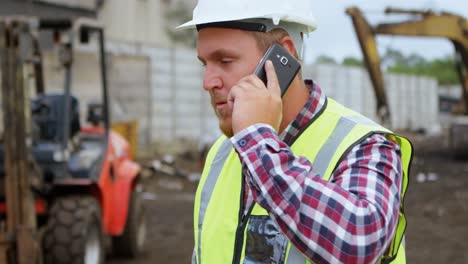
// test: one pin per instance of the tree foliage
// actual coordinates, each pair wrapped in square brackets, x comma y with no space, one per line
[324,59]
[351,61]
[442,69]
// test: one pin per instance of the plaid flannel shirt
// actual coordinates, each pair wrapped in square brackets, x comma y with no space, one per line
[349,219]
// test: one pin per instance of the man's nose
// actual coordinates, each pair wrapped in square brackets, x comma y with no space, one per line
[211,80]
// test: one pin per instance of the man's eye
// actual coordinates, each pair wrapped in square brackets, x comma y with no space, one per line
[226,61]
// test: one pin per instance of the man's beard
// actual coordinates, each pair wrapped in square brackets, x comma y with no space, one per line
[225,122]
[226,129]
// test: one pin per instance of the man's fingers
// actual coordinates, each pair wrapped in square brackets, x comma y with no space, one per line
[236,91]
[232,94]
[253,81]
[272,83]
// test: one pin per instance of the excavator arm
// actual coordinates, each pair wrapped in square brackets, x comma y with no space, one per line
[428,24]
[366,37]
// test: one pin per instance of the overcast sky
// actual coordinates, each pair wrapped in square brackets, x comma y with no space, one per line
[335,34]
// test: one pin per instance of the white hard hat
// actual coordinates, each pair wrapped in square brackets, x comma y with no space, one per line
[295,16]
[211,11]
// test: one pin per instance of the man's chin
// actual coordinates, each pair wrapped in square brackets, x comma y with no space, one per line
[226,128]
[227,133]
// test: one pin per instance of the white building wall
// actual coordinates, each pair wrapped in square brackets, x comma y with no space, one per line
[137,21]
[349,86]
[413,102]
[412,99]
[180,108]
[85,78]
[162,89]
[83,4]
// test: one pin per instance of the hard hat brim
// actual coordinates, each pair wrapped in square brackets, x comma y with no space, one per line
[187,25]
[193,23]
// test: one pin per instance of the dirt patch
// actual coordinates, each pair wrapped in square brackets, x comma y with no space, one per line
[436,206]
[437,209]
[169,202]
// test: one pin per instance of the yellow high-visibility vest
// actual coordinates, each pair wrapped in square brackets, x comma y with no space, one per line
[219,236]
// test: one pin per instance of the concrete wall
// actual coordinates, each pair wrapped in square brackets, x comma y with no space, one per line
[347,85]
[180,112]
[137,21]
[50,8]
[128,84]
[148,22]
[413,100]
[129,93]
[82,4]
[162,89]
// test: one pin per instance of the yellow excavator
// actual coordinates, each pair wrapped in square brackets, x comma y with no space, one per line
[423,24]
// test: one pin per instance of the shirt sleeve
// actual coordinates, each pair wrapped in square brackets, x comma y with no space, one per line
[349,219]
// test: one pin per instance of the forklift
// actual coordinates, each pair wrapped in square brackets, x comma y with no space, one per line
[69,190]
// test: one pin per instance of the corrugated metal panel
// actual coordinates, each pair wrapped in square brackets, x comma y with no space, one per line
[431,111]
[422,92]
[347,85]
[412,99]
[129,86]
[413,102]
[177,87]
[392,89]
[370,103]
[180,108]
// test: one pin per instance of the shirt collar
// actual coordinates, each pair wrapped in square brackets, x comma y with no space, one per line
[312,107]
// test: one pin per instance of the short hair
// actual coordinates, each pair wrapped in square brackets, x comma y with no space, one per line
[265,39]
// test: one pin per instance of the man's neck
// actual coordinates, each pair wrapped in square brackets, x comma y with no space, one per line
[293,101]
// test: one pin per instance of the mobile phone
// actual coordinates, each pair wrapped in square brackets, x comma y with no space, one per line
[286,66]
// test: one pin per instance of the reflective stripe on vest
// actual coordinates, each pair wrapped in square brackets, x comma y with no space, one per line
[341,130]
[208,187]
[325,154]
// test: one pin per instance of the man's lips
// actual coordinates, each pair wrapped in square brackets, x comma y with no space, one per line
[221,104]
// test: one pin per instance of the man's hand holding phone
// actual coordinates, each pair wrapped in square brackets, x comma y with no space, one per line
[252,103]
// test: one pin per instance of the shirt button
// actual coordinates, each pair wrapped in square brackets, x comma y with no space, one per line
[243,142]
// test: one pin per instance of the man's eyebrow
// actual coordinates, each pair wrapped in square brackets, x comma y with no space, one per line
[218,54]
[222,52]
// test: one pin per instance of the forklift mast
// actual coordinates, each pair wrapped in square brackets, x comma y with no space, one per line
[20,59]
[18,242]
[427,24]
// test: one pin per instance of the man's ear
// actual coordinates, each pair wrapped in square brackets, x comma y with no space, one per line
[287,43]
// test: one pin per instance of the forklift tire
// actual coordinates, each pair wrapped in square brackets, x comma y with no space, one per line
[132,241]
[73,234]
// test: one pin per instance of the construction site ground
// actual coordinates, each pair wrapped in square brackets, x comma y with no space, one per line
[436,206]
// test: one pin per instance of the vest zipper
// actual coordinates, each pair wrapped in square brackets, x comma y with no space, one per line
[242,224]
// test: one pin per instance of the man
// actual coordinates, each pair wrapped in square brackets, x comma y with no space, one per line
[297,179]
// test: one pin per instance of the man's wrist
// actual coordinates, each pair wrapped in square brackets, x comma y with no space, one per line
[252,136]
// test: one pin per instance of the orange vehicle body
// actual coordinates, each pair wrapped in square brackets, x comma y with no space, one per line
[116,181]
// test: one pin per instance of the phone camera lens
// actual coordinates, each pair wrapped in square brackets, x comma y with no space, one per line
[284,61]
